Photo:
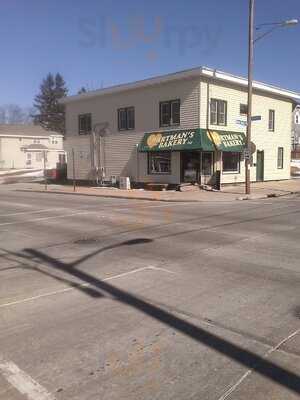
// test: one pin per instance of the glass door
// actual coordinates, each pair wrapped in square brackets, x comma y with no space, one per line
[190,166]
[207,163]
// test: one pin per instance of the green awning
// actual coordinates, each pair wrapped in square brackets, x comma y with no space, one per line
[193,139]
[185,139]
[227,141]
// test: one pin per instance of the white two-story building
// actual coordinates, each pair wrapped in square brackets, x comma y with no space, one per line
[296,128]
[30,147]
[181,127]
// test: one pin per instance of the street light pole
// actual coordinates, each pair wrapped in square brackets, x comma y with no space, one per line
[251,42]
[250,84]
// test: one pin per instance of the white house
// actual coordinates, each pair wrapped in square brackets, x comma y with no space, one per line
[296,127]
[25,146]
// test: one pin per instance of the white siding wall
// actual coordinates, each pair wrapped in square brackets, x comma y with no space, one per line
[81,146]
[11,155]
[263,139]
[146,103]
[120,148]
[121,159]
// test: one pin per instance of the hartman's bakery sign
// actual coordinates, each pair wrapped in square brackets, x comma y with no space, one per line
[230,141]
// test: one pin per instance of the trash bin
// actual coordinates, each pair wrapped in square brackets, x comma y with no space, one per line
[125,182]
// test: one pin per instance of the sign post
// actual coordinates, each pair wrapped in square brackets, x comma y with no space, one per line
[247,155]
[241,122]
[250,88]
[73,165]
[45,173]
[256,118]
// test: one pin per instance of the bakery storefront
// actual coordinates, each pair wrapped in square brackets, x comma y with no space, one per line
[199,154]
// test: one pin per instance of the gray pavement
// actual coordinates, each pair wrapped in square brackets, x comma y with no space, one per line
[124,299]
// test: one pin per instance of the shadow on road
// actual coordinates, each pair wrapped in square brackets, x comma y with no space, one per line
[244,357]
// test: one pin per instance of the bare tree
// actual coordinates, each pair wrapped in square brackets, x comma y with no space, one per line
[2,115]
[14,114]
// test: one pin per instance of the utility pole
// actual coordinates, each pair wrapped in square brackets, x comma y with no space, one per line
[250,83]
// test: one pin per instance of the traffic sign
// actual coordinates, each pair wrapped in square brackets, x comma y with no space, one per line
[247,154]
[241,122]
[256,118]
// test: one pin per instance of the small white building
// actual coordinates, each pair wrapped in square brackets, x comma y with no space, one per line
[182,127]
[25,146]
[296,128]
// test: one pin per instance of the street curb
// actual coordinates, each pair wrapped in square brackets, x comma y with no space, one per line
[267,196]
[108,196]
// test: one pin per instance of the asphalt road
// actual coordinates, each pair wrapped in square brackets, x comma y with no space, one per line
[121,299]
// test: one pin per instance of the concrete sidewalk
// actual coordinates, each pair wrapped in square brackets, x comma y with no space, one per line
[266,189]
[259,190]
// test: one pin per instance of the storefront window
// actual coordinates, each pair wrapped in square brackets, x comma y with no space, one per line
[231,162]
[159,162]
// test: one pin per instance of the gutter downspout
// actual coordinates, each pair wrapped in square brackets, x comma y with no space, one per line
[92,151]
[218,157]
[137,163]
[98,134]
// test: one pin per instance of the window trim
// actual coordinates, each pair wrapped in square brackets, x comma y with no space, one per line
[238,170]
[150,154]
[126,109]
[84,132]
[272,128]
[169,102]
[217,112]
[280,165]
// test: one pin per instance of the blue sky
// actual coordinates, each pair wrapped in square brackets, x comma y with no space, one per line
[100,43]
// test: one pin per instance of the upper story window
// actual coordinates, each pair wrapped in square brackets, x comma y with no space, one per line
[36,141]
[272,120]
[169,113]
[126,120]
[297,119]
[84,124]
[243,109]
[53,140]
[218,112]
